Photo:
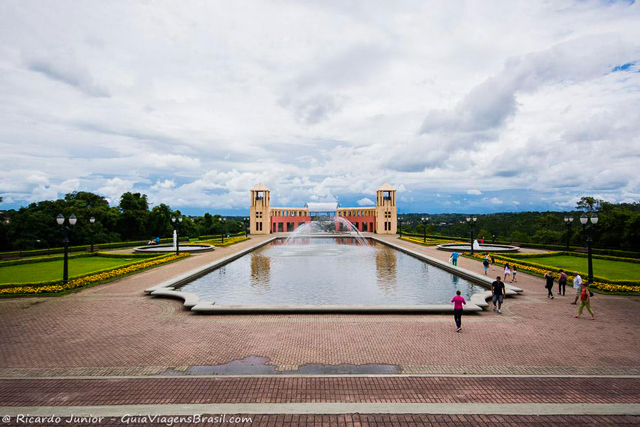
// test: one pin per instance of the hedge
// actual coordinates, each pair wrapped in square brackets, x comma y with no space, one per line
[575,254]
[98,246]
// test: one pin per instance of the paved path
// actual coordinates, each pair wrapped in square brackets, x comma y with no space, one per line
[115,330]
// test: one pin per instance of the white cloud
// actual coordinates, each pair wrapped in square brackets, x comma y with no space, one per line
[320,100]
[115,187]
[366,202]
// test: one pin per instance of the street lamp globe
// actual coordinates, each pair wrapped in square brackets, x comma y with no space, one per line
[173,219]
[73,219]
[60,219]
[475,219]
[92,220]
[584,219]
[468,219]
[180,219]
[594,219]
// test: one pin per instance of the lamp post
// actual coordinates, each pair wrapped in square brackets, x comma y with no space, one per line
[472,224]
[400,225]
[567,221]
[246,227]
[424,220]
[222,220]
[91,220]
[176,226]
[66,230]
[584,219]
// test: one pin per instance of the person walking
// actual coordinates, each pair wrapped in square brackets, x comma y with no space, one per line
[562,282]
[498,292]
[485,264]
[493,263]
[458,301]
[507,271]
[549,285]
[585,301]
[454,258]
[577,286]
[514,271]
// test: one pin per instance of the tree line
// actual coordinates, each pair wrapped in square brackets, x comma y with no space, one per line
[34,226]
[618,225]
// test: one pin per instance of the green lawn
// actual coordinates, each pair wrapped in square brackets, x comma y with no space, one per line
[52,270]
[614,270]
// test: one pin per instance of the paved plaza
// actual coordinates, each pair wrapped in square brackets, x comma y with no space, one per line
[111,345]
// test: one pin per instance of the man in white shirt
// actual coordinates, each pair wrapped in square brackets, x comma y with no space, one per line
[577,285]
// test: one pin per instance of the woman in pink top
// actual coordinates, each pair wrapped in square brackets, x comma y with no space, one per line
[457,309]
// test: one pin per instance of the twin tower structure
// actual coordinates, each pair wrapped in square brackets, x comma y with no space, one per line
[380,219]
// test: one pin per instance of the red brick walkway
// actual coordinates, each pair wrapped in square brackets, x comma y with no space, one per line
[403,420]
[58,392]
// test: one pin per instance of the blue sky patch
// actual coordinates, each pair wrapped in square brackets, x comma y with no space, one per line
[623,67]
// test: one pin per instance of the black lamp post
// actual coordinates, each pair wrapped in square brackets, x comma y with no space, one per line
[176,226]
[400,225]
[66,230]
[588,228]
[472,224]
[424,220]
[91,220]
[246,227]
[222,220]
[567,221]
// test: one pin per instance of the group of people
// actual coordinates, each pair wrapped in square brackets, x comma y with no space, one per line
[583,293]
[510,272]
[498,291]
[498,294]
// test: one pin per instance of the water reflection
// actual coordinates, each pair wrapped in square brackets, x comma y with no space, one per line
[387,268]
[260,270]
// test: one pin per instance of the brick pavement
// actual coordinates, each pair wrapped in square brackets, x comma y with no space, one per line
[88,392]
[403,420]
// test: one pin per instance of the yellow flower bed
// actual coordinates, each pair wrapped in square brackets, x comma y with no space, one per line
[430,241]
[227,241]
[90,279]
[609,287]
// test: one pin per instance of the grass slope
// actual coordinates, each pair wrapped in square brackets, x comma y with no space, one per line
[614,270]
[52,270]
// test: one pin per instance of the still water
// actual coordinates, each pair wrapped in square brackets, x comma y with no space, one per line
[328,271]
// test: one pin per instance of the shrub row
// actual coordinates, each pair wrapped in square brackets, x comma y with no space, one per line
[575,254]
[98,246]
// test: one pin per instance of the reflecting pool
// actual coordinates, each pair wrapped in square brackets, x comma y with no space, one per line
[328,271]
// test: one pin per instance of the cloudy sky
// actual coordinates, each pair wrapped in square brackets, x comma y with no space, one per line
[464,106]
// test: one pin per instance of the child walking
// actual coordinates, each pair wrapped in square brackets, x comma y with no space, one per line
[458,301]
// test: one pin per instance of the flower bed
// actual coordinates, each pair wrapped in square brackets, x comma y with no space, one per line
[227,241]
[430,241]
[55,287]
[600,283]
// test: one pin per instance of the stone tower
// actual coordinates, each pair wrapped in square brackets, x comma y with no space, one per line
[259,212]
[386,210]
